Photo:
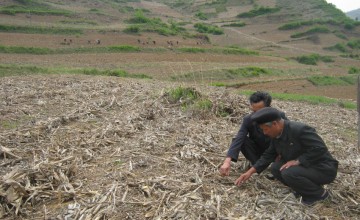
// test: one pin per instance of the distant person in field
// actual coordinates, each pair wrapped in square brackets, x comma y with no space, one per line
[249,140]
[305,163]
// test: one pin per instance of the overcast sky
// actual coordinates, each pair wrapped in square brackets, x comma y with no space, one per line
[345,5]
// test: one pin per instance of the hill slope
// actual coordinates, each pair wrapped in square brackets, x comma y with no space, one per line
[354,14]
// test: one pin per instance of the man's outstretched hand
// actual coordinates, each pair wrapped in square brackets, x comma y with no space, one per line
[245,176]
[225,168]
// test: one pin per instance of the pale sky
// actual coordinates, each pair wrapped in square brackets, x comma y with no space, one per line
[345,5]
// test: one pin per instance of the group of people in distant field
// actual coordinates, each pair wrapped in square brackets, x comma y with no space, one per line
[298,156]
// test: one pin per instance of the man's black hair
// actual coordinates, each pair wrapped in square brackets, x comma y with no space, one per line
[259,96]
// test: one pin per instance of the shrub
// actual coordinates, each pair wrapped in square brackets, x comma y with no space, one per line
[354,70]
[238,24]
[308,60]
[312,59]
[338,47]
[142,23]
[314,30]
[201,15]
[134,29]
[183,95]
[237,50]
[206,28]
[258,11]
[204,104]
[354,44]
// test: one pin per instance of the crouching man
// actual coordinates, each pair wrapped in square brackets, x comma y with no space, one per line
[305,163]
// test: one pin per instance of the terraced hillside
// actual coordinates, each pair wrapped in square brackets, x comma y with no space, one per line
[189,41]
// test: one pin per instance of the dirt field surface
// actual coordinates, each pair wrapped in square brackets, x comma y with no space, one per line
[80,147]
[307,88]
[169,63]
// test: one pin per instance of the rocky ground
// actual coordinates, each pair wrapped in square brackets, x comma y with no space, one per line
[80,147]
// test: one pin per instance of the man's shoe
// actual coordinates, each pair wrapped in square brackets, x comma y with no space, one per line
[312,201]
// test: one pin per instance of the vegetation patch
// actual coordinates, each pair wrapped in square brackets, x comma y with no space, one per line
[346,23]
[309,99]
[140,23]
[227,50]
[12,70]
[313,59]
[314,30]
[258,11]
[354,70]
[235,50]
[182,95]
[218,84]
[235,24]
[202,15]
[207,28]
[36,10]
[9,124]
[25,50]
[39,30]
[116,72]
[78,22]
[204,105]
[327,81]
[247,72]
[124,48]
[354,44]
[126,9]
[351,80]
[191,50]
[337,47]
[351,55]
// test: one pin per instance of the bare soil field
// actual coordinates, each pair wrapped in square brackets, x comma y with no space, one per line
[82,147]
[160,64]
[306,88]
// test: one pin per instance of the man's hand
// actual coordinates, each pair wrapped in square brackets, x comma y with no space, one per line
[225,168]
[245,176]
[290,164]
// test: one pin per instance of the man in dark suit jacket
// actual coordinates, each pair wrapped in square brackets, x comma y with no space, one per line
[249,140]
[305,164]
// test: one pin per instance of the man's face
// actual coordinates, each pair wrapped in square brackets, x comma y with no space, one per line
[257,106]
[271,130]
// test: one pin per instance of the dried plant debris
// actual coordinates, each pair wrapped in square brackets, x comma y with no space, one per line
[79,147]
